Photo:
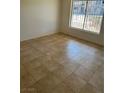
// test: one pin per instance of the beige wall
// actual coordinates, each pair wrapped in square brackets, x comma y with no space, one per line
[44,17]
[38,18]
[65,7]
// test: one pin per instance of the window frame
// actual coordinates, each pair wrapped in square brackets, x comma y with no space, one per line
[74,28]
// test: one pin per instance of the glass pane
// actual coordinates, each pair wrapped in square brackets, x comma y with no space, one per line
[78,13]
[94,15]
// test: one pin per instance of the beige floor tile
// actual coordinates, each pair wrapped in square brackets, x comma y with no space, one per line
[95,58]
[62,72]
[35,62]
[23,71]
[62,88]
[24,46]
[51,65]
[98,79]
[89,89]
[39,72]
[26,81]
[30,54]
[74,82]
[92,64]
[46,84]
[84,73]
[28,90]
[71,66]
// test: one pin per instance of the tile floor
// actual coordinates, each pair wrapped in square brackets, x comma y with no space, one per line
[61,64]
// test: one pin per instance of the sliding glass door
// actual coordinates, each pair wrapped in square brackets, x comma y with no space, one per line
[87,15]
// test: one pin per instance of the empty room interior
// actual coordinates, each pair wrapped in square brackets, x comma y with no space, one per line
[62,46]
